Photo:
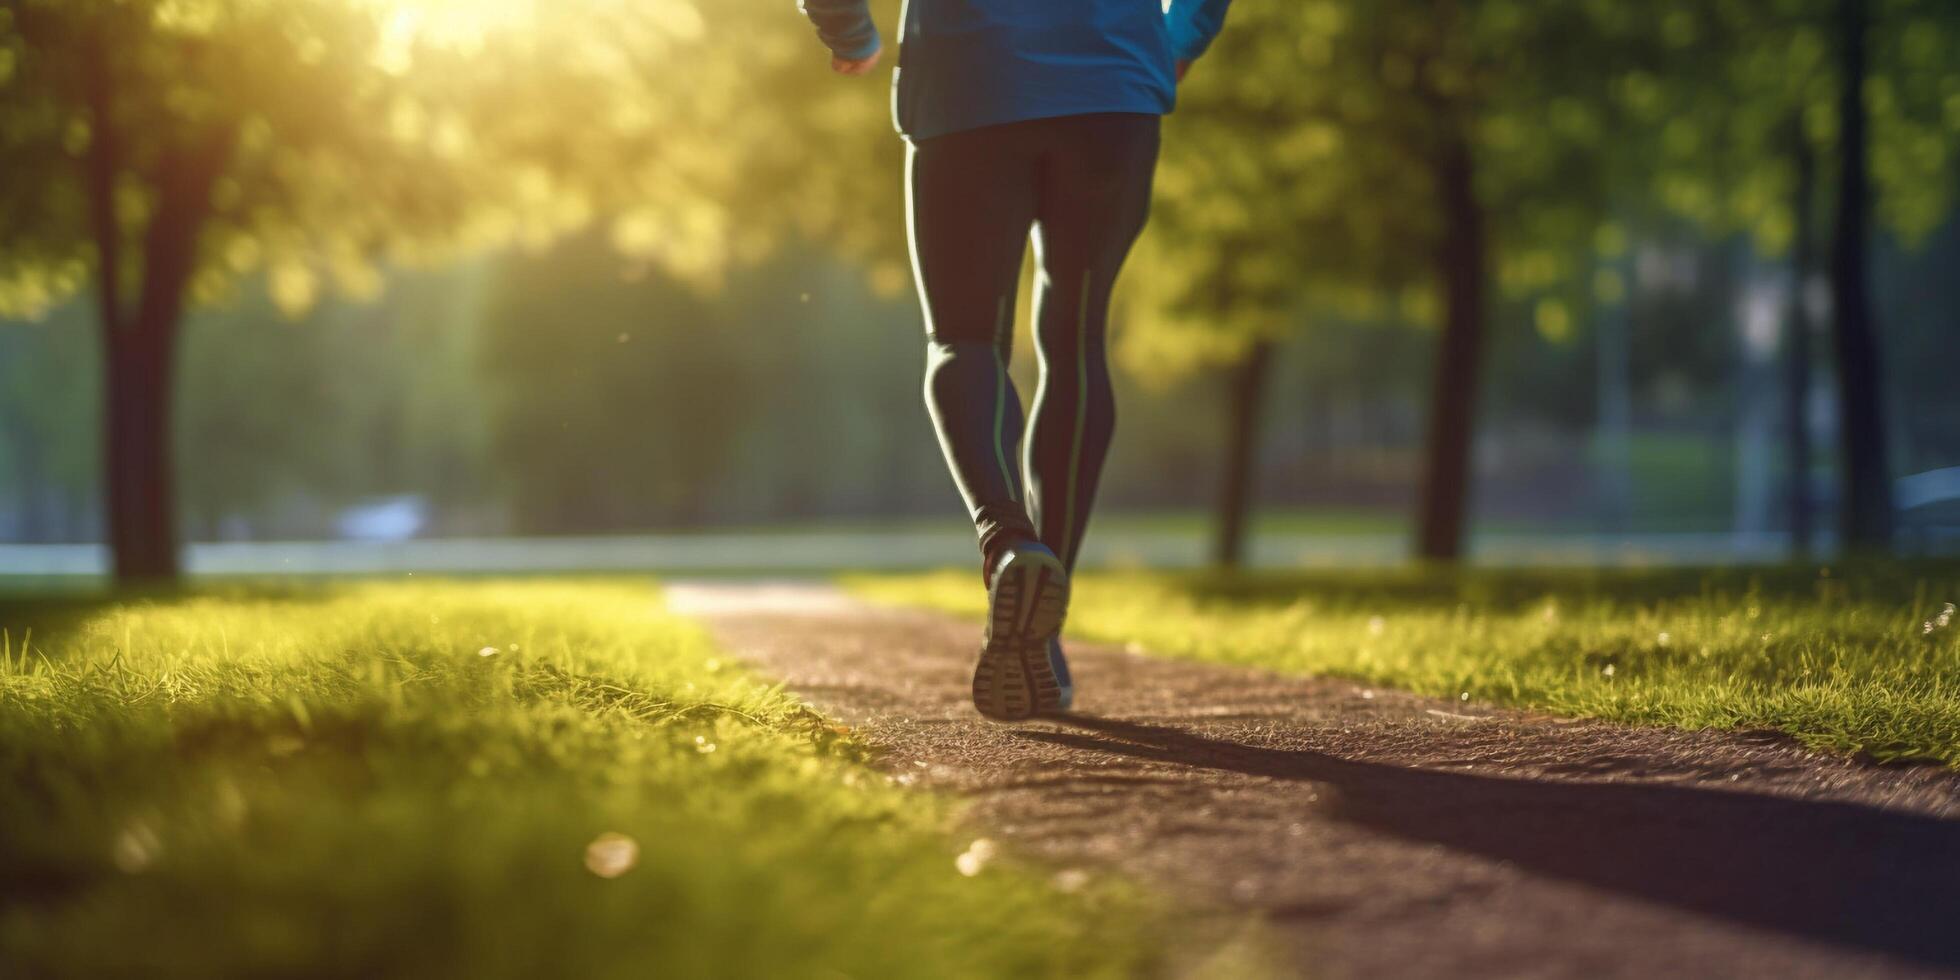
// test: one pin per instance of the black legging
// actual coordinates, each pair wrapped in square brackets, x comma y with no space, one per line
[1083,184]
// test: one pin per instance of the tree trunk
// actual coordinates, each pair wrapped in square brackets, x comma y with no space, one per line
[1247,394]
[1867,506]
[1797,355]
[142,531]
[139,351]
[1460,264]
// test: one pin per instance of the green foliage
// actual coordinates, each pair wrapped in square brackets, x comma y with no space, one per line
[1297,176]
[342,131]
[617,404]
[1728,163]
[1915,103]
[1300,176]
[269,104]
[414,779]
[237,450]
[49,386]
[631,401]
[1858,659]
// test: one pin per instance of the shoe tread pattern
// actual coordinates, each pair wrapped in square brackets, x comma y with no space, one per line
[1028,601]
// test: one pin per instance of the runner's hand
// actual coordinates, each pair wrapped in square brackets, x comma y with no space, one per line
[1183,65]
[859,66]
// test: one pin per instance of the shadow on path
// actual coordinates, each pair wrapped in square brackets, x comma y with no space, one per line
[1834,872]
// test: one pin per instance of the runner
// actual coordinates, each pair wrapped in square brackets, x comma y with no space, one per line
[1024,115]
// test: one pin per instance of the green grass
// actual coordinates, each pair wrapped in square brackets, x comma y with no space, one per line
[337,781]
[1865,659]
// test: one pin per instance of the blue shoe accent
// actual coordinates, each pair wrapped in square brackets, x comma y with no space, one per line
[1058,663]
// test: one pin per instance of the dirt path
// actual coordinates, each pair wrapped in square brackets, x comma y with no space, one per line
[1384,835]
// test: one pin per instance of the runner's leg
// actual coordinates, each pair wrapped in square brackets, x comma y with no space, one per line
[1093,198]
[971,198]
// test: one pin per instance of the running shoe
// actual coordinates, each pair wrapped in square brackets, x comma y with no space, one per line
[1027,597]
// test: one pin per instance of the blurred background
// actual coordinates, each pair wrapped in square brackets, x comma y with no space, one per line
[351,285]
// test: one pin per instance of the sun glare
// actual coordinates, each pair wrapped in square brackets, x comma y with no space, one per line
[466,26]
[454,24]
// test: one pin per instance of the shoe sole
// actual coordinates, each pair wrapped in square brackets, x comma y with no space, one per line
[1025,606]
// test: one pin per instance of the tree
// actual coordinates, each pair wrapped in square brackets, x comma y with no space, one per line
[1866,85]
[1251,227]
[156,151]
[157,148]
[1798,357]
[1867,505]
[1355,150]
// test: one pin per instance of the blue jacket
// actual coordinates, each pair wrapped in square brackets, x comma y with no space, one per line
[969,63]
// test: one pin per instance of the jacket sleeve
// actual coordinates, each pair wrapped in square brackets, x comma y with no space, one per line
[1193,23]
[844,26]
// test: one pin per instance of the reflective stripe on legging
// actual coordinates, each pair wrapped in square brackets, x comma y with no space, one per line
[1003,332]
[1081,422]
